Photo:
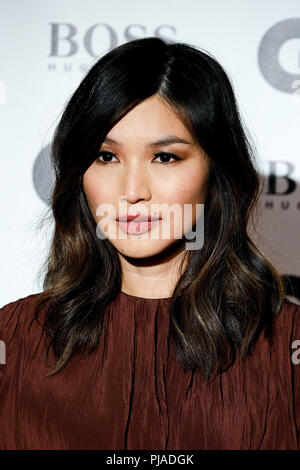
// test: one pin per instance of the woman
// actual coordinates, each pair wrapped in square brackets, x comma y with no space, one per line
[148,342]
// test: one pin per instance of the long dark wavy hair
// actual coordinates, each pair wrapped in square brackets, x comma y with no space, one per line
[229,291]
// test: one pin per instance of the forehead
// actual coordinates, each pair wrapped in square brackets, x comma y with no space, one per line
[152,117]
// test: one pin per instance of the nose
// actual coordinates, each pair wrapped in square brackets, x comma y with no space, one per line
[135,183]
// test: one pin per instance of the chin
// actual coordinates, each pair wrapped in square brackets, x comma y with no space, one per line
[140,248]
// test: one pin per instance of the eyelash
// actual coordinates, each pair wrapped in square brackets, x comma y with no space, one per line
[168,154]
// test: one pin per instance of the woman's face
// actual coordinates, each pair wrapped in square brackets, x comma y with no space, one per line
[132,176]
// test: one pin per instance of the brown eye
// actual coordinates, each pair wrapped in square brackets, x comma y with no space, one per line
[106,156]
[167,155]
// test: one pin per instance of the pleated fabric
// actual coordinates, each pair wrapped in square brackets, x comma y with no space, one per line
[132,392]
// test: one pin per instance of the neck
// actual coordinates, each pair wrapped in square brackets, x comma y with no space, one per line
[154,276]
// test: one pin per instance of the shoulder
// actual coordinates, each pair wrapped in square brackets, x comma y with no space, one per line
[15,315]
[24,301]
[290,325]
[287,327]
[278,347]
[15,306]
[20,334]
[289,319]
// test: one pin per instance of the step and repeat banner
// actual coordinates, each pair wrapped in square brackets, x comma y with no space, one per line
[47,47]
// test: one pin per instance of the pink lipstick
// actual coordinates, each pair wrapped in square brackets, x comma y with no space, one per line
[136,224]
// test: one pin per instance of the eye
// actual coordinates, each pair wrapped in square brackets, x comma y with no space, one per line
[105,154]
[167,155]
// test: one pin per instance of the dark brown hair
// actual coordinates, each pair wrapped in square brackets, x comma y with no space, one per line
[229,291]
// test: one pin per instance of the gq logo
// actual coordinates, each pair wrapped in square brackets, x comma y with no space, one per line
[268,56]
[65,43]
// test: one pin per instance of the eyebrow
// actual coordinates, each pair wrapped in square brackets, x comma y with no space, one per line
[167,140]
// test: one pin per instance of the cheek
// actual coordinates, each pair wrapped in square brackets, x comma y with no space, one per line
[190,188]
[96,190]
[188,191]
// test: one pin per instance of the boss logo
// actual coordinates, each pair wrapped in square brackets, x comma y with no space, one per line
[276,177]
[65,40]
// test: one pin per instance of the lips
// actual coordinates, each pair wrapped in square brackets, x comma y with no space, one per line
[136,218]
[137,228]
[136,224]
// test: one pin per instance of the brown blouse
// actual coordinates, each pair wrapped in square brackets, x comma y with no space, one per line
[131,393]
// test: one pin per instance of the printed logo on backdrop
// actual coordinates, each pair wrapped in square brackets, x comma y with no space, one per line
[280,183]
[279,56]
[67,42]
[43,175]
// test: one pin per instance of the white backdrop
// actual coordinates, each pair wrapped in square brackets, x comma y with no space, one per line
[47,47]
